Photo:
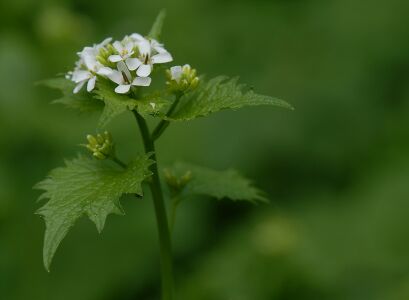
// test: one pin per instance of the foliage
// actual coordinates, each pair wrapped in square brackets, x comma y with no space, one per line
[218,184]
[82,102]
[116,104]
[218,94]
[85,187]
[157,26]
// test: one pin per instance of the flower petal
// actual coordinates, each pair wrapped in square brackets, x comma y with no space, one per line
[89,57]
[160,49]
[142,81]
[133,63]
[104,42]
[105,71]
[124,70]
[137,37]
[126,56]
[145,47]
[115,58]
[91,83]
[155,43]
[122,89]
[158,46]
[129,46]
[80,75]
[176,72]
[144,70]
[116,77]
[161,58]
[79,87]
[118,46]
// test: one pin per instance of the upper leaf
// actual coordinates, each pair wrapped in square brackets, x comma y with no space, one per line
[156,29]
[219,184]
[217,94]
[116,104]
[83,101]
[85,186]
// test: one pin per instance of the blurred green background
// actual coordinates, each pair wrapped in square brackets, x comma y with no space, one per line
[336,169]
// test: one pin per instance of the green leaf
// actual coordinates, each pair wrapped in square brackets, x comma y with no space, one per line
[218,184]
[217,94]
[156,29]
[85,186]
[116,104]
[154,104]
[83,101]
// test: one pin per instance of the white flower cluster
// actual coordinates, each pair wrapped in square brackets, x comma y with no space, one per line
[127,63]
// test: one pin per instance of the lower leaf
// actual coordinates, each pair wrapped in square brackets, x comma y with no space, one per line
[89,187]
[189,180]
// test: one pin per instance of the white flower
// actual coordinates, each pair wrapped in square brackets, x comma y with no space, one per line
[102,44]
[87,67]
[88,54]
[182,78]
[150,52]
[125,50]
[87,75]
[158,47]
[176,73]
[134,57]
[124,79]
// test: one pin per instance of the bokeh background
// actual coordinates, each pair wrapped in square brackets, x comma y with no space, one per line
[336,169]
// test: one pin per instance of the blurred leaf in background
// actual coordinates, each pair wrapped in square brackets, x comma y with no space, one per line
[336,169]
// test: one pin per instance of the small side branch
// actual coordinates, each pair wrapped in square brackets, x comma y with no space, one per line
[163,124]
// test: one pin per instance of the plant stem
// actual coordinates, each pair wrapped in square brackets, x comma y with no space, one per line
[160,211]
[163,124]
[175,202]
[118,162]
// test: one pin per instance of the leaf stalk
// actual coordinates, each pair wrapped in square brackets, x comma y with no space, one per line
[163,124]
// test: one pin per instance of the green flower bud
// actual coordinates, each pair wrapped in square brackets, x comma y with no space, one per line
[182,79]
[110,48]
[101,146]
[177,184]
[92,140]
[103,55]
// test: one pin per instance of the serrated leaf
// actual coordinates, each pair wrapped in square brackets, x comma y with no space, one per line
[116,104]
[85,186]
[154,104]
[218,184]
[156,29]
[218,94]
[82,102]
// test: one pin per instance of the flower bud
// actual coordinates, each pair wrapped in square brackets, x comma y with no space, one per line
[103,55]
[182,79]
[101,146]
[176,184]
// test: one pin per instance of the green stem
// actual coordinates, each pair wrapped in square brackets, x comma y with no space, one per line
[160,211]
[163,124]
[175,202]
[118,162]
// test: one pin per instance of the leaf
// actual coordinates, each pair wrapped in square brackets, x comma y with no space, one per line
[116,104]
[156,29]
[219,184]
[83,101]
[154,103]
[217,94]
[85,186]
